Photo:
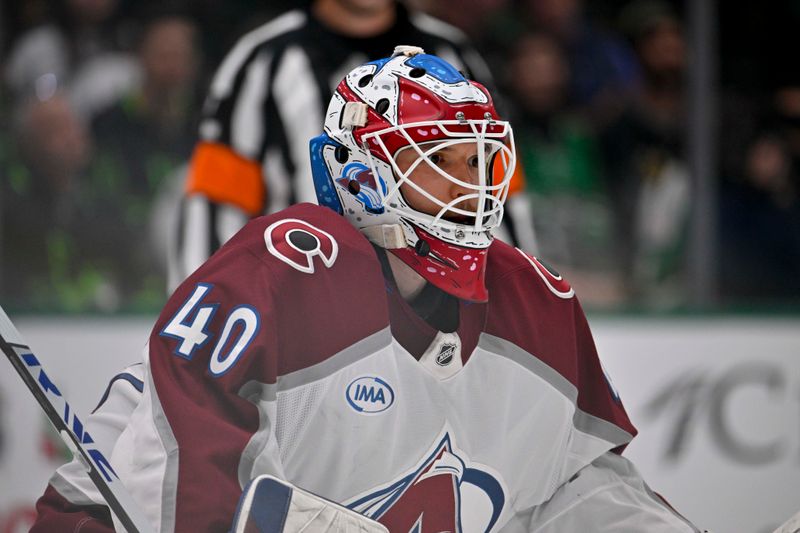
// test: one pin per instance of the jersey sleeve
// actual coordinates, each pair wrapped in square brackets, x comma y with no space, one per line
[225,183]
[597,396]
[608,495]
[600,415]
[209,389]
[55,512]
[258,310]
[71,502]
[226,163]
[547,323]
[218,172]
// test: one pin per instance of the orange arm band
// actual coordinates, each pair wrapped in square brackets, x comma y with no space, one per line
[223,176]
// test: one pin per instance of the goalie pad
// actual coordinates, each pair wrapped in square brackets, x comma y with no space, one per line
[269,505]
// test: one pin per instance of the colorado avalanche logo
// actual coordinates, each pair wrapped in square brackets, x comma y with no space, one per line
[445,355]
[444,493]
[296,243]
[358,180]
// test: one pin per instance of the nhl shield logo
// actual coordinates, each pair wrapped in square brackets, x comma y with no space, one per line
[446,354]
[445,492]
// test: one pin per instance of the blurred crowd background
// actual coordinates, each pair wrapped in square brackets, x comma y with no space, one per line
[100,101]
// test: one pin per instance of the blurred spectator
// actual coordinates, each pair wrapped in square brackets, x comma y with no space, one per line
[77,245]
[604,70]
[149,131]
[224,21]
[644,153]
[476,18]
[77,51]
[43,215]
[142,140]
[760,210]
[561,158]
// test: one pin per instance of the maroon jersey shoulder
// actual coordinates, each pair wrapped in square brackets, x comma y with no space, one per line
[57,513]
[505,260]
[533,307]
[287,292]
[314,279]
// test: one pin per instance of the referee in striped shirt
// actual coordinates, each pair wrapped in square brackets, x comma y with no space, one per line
[268,98]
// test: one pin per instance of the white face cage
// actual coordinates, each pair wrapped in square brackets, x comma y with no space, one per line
[489,193]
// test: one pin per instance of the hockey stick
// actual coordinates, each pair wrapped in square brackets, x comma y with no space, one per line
[70,428]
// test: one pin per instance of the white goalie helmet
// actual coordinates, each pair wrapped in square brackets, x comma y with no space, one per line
[418,102]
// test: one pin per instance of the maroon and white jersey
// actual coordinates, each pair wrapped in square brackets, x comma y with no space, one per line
[288,353]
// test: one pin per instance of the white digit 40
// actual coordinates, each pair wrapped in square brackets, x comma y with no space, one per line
[190,323]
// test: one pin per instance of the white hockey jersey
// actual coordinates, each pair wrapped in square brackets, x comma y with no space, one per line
[289,353]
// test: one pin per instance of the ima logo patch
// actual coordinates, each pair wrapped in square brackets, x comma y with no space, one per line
[297,243]
[369,395]
[444,492]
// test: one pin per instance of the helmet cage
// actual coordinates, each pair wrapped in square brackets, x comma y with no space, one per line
[494,143]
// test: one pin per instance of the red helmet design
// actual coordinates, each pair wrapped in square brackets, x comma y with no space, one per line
[417,102]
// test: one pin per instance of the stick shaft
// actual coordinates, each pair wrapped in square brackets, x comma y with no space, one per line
[71,428]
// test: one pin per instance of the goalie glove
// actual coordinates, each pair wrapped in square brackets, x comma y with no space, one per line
[270,505]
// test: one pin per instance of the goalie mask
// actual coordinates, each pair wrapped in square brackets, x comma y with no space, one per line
[393,129]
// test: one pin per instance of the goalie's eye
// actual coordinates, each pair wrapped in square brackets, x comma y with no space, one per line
[437,159]
[473,161]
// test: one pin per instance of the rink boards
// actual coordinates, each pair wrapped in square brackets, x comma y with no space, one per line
[716,401]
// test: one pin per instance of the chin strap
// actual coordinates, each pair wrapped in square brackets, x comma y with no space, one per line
[387,236]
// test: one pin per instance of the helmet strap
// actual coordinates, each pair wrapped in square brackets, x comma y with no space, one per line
[387,236]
